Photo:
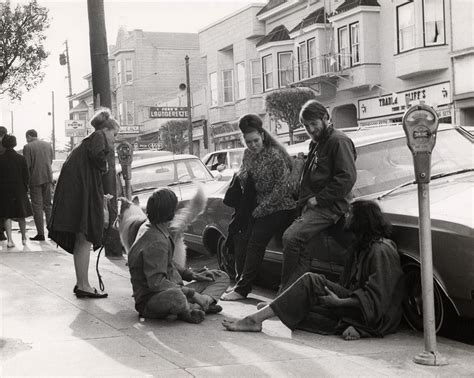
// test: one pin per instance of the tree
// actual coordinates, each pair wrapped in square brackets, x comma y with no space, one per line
[285,105]
[22,53]
[173,136]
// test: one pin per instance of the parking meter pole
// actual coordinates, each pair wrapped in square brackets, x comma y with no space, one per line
[420,123]
[125,156]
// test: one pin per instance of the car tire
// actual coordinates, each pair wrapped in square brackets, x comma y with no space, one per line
[225,260]
[413,301]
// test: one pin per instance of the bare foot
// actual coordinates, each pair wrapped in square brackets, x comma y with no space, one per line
[10,244]
[232,296]
[193,316]
[350,334]
[242,325]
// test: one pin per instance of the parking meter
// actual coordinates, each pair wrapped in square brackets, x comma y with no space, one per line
[125,156]
[420,124]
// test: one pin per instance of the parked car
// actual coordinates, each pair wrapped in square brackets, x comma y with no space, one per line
[181,173]
[224,162]
[385,174]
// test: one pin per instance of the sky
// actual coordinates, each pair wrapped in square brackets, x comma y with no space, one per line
[68,21]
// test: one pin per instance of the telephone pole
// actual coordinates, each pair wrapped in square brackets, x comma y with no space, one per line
[190,120]
[101,93]
[53,134]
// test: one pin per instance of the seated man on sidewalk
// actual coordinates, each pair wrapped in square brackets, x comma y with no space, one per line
[366,303]
[157,281]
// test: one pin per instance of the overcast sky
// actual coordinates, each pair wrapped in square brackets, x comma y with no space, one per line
[69,21]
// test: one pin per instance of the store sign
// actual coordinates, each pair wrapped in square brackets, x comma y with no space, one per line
[129,129]
[168,112]
[396,103]
[75,128]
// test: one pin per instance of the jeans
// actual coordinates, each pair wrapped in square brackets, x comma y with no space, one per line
[296,257]
[41,201]
[260,232]
[173,301]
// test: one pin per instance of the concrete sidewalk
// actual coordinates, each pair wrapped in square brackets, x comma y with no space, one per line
[46,330]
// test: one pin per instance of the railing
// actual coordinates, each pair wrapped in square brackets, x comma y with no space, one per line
[323,65]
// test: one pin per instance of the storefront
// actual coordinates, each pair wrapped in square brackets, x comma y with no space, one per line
[389,109]
[225,135]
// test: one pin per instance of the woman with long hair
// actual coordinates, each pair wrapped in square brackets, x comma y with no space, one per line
[77,217]
[267,163]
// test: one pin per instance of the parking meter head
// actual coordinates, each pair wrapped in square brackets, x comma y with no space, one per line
[420,123]
[125,153]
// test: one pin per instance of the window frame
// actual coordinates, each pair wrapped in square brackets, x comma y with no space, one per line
[241,87]
[425,44]
[256,76]
[312,72]
[128,70]
[264,74]
[343,61]
[397,13]
[302,63]
[213,90]
[119,72]
[281,71]
[224,87]
[351,44]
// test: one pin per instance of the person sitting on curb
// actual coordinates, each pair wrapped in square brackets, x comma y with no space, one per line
[157,281]
[366,303]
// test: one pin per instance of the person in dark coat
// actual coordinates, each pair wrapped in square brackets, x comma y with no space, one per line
[14,202]
[3,132]
[77,217]
[366,303]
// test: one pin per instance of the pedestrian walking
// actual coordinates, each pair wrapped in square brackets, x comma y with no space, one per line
[39,157]
[3,132]
[14,202]
[77,217]
[269,165]
[328,176]
[366,302]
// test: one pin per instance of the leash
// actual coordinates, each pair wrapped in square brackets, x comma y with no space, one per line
[99,277]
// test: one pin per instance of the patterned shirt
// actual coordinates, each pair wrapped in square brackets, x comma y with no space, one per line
[270,173]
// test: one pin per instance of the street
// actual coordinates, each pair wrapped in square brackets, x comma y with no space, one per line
[45,324]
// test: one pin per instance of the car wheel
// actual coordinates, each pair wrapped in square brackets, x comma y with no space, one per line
[224,258]
[413,301]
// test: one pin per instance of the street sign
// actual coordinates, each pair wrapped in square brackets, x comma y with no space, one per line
[75,128]
[168,112]
[129,129]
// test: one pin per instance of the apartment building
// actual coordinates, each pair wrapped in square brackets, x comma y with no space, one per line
[364,59]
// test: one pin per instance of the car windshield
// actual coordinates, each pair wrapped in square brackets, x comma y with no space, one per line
[167,173]
[385,165]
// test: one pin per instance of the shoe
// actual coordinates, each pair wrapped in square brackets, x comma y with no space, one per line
[214,309]
[232,296]
[38,238]
[87,294]
[74,290]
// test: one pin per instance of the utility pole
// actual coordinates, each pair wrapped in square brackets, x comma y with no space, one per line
[64,60]
[101,93]
[190,121]
[53,126]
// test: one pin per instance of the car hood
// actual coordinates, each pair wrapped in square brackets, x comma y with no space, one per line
[451,204]
[186,191]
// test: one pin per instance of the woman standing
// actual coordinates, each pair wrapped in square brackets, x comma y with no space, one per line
[77,218]
[14,202]
[267,163]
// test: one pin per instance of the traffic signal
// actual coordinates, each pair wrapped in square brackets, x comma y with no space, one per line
[62,59]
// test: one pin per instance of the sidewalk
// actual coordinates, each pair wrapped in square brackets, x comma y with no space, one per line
[46,330]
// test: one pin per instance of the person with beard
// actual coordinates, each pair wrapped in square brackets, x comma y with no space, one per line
[326,183]
[366,302]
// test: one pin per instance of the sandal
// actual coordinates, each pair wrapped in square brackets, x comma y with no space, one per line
[86,294]
[232,296]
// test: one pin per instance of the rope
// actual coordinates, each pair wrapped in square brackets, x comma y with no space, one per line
[99,277]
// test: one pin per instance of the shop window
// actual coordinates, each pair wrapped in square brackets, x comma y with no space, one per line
[344,49]
[285,69]
[267,64]
[355,50]
[241,93]
[228,85]
[433,15]
[406,26]
[213,87]
[256,74]
[302,60]
[128,70]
